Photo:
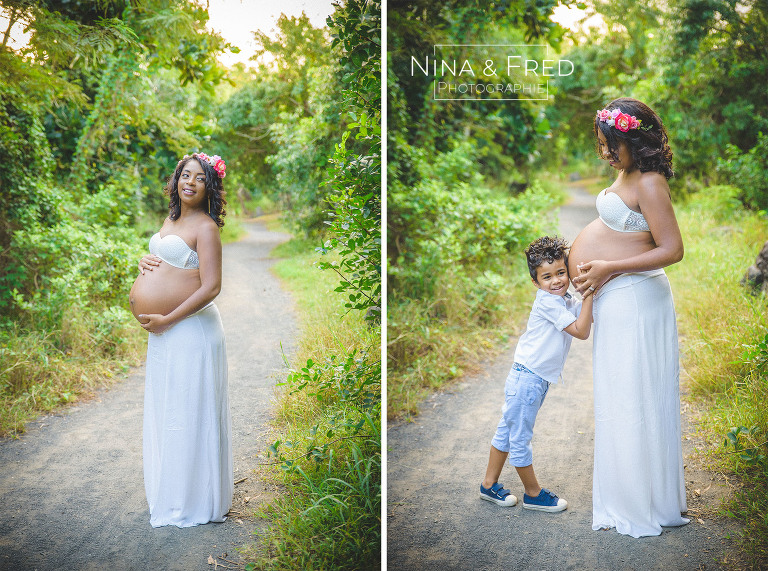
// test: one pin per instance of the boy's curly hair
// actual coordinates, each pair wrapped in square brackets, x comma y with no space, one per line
[546,249]
[649,147]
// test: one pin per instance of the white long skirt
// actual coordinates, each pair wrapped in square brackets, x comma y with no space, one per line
[638,484]
[188,473]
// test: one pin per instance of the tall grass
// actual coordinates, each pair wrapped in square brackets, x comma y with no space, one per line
[328,435]
[42,370]
[720,323]
[717,315]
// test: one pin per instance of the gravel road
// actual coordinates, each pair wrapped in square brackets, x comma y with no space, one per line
[436,462]
[72,487]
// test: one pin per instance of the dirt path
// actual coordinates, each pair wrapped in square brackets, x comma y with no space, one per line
[435,465]
[72,487]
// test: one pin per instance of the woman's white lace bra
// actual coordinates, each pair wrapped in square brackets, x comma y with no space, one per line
[617,215]
[174,250]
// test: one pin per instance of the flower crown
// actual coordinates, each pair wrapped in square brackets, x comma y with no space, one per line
[622,121]
[215,161]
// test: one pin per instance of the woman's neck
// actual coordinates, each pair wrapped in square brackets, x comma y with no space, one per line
[186,211]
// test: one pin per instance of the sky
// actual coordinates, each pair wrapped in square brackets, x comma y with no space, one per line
[236,20]
[573,18]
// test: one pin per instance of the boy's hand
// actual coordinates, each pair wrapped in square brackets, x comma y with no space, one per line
[587,293]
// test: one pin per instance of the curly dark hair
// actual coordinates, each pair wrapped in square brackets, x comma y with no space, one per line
[649,147]
[546,249]
[214,190]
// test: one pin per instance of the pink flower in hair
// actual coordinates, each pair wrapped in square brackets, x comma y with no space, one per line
[623,122]
[220,167]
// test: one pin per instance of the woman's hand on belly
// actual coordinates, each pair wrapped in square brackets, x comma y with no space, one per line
[149,262]
[592,276]
[154,322]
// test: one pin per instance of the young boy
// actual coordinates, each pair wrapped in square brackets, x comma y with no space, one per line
[555,318]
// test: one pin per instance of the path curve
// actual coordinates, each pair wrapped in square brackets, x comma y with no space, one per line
[72,487]
[435,519]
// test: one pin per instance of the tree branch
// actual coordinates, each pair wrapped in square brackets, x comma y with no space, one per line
[11,21]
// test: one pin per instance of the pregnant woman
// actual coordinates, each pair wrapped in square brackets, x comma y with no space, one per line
[187,452]
[638,484]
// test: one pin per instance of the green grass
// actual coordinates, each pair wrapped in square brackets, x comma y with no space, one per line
[717,315]
[328,515]
[233,230]
[718,319]
[41,371]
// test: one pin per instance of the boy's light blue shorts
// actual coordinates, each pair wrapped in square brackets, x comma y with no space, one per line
[524,394]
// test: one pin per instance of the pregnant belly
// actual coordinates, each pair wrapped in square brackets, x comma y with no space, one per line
[163,289]
[598,242]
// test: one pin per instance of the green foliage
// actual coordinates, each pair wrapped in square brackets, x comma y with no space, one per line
[356,222]
[328,448]
[458,218]
[354,180]
[334,460]
[334,523]
[699,64]
[749,172]
[302,146]
[70,267]
[92,119]
[506,136]
[278,128]
[751,455]
[755,452]
[450,223]
[746,449]
[25,177]
[456,270]
[352,381]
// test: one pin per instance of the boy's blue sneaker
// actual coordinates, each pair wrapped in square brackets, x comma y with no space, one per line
[546,501]
[498,495]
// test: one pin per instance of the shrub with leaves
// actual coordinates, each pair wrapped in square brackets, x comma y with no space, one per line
[749,172]
[334,464]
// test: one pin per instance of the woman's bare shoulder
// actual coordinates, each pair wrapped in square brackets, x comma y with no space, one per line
[207,229]
[652,185]
[653,181]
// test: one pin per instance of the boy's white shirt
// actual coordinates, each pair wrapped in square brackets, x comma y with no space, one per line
[544,346]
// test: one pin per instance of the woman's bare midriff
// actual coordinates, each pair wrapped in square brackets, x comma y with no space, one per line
[163,289]
[598,242]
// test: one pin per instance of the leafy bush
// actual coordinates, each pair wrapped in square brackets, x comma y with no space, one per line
[29,198]
[72,266]
[450,224]
[749,172]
